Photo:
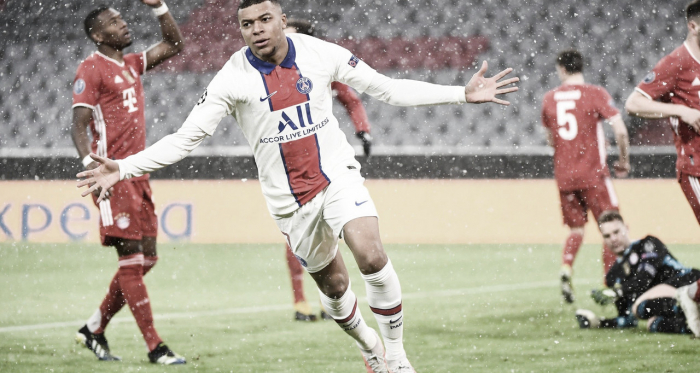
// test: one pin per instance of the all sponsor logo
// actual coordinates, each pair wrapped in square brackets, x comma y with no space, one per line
[353,61]
[650,77]
[79,86]
[304,85]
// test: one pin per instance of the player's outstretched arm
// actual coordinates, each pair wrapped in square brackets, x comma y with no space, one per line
[101,178]
[644,107]
[481,89]
[172,42]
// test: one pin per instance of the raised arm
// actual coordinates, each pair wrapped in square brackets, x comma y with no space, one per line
[644,107]
[172,42]
[622,165]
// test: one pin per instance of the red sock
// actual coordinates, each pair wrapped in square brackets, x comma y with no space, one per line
[573,243]
[130,276]
[609,259]
[297,275]
[114,300]
[696,286]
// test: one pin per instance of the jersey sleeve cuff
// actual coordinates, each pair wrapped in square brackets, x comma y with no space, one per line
[460,95]
[643,93]
[122,170]
[80,104]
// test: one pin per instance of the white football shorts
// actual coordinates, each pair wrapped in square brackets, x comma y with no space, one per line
[313,230]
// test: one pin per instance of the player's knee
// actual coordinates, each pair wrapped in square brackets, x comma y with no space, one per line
[334,286]
[372,261]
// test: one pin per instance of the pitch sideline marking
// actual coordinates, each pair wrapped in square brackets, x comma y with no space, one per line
[280,307]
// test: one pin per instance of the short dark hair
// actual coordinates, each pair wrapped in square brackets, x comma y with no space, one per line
[609,216]
[692,10]
[302,26]
[571,60]
[246,3]
[91,20]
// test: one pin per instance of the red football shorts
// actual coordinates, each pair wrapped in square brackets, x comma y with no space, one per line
[129,213]
[599,198]
[691,188]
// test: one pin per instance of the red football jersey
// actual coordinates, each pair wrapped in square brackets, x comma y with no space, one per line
[353,105]
[676,79]
[114,92]
[573,113]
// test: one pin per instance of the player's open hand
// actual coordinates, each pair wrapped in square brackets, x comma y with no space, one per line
[482,89]
[622,170]
[692,117]
[101,178]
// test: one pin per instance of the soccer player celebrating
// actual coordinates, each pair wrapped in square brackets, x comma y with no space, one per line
[672,90]
[643,282]
[573,115]
[356,111]
[108,98]
[279,90]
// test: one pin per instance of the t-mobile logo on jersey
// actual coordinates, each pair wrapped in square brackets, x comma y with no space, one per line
[130,101]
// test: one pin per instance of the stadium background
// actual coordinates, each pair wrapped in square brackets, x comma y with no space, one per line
[438,41]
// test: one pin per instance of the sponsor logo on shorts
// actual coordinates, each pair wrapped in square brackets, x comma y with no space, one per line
[304,85]
[123,220]
[79,86]
[361,203]
[301,260]
[353,61]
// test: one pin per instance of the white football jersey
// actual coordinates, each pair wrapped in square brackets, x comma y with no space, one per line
[285,112]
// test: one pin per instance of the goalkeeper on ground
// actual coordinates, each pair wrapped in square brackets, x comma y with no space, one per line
[642,283]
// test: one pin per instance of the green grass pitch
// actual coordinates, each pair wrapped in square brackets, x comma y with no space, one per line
[227,308]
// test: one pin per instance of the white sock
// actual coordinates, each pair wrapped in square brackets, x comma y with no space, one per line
[345,312]
[692,290]
[94,321]
[384,298]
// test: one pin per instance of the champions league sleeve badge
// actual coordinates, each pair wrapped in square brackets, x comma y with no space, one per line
[353,61]
[79,86]
[202,98]
[304,85]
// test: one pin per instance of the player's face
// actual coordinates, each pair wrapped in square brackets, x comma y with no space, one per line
[615,236]
[262,27]
[112,30]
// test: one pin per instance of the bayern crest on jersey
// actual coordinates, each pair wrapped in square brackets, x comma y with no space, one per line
[304,85]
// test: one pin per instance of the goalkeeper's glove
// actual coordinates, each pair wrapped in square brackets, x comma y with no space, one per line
[604,296]
[366,142]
